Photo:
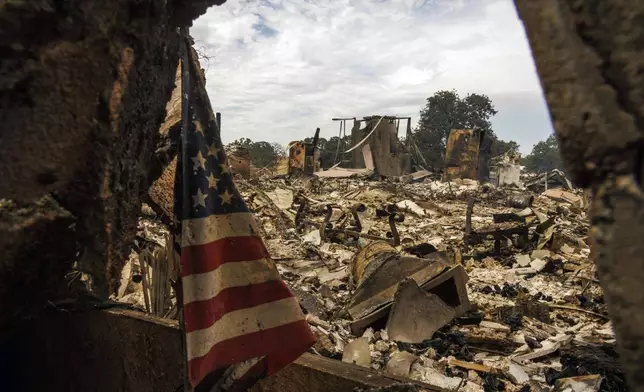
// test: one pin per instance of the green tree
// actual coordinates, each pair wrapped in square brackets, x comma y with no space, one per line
[243,142]
[280,150]
[544,156]
[501,147]
[261,153]
[446,110]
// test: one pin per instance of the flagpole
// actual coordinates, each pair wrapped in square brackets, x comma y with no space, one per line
[185,172]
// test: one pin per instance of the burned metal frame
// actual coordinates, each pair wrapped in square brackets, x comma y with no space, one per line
[472,237]
[343,129]
[377,146]
[327,230]
[366,119]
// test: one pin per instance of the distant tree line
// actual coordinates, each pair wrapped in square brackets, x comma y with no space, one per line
[544,156]
[446,110]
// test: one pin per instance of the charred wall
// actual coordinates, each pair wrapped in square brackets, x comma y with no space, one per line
[83,90]
[389,156]
[589,57]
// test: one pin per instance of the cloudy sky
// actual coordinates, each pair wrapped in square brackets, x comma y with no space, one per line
[277,69]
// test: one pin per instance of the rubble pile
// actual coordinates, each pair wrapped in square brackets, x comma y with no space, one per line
[441,282]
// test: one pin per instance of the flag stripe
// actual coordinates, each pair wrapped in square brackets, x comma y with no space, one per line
[269,342]
[234,305]
[200,259]
[203,314]
[201,231]
[202,287]
[242,322]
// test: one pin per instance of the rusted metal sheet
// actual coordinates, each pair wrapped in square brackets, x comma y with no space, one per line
[311,159]
[296,156]
[426,310]
[468,155]
[378,269]
[303,157]
[366,255]
[449,285]
[383,271]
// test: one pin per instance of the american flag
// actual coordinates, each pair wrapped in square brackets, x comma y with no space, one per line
[241,321]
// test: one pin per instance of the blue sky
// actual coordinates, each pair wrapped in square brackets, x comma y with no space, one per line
[277,69]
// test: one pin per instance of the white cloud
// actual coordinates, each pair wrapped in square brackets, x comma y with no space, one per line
[280,68]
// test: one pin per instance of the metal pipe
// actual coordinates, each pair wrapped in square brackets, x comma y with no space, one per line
[185,171]
[316,137]
[337,148]
[366,137]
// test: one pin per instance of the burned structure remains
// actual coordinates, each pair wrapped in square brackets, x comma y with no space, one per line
[239,160]
[87,144]
[468,155]
[376,146]
[304,157]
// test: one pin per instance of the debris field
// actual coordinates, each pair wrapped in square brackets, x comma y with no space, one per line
[448,283]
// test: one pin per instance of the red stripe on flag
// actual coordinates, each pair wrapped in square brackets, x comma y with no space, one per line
[203,314]
[281,346]
[198,259]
